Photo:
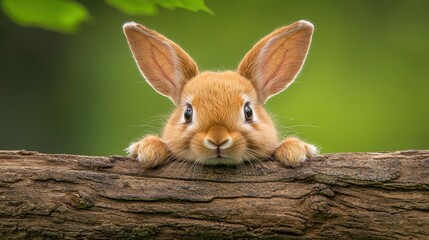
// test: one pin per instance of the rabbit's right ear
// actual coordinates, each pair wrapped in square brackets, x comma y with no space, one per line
[163,63]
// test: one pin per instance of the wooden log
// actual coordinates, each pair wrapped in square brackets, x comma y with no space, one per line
[333,196]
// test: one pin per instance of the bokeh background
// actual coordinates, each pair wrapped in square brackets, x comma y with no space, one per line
[364,87]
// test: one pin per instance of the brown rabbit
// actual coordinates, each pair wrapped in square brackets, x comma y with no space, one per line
[220,117]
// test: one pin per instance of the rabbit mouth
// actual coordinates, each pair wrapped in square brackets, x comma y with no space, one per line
[218,153]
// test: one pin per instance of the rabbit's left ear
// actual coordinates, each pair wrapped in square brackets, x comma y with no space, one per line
[274,62]
[163,63]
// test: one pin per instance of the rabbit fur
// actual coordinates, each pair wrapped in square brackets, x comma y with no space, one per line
[219,116]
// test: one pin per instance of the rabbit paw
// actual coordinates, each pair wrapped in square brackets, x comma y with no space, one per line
[293,152]
[151,151]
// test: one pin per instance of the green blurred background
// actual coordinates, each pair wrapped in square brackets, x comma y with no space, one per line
[364,86]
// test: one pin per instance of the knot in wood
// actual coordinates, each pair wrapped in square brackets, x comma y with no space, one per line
[320,205]
[80,200]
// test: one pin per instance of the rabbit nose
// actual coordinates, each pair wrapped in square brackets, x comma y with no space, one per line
[218,137]
[209,143]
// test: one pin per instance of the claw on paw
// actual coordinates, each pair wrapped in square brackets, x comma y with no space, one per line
[293,152]
[151,151]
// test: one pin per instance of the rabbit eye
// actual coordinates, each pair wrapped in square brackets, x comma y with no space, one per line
[248,112]
[188,114]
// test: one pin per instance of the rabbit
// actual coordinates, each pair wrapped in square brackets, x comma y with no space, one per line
[219,116]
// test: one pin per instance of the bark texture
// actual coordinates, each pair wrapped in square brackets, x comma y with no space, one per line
[334,196]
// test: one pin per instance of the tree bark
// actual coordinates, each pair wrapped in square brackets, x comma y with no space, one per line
[333,196]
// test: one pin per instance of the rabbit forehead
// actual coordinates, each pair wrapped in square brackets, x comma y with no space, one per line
[218,85]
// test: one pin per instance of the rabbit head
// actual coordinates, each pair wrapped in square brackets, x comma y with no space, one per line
[219,116]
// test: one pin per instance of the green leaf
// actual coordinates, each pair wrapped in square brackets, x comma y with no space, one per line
[57,15]
[191,5]
[134,7]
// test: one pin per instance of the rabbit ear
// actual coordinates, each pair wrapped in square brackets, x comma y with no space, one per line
[274,62]
[163,63]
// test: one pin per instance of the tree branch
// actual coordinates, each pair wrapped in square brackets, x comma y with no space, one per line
[343,195]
